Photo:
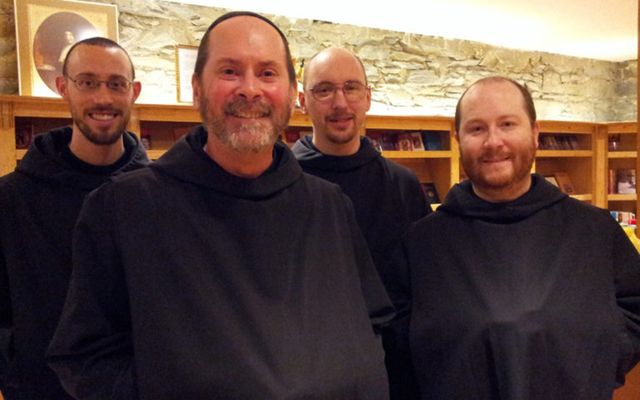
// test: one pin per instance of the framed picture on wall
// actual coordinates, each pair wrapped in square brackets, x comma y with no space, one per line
[185,63]
[46,29]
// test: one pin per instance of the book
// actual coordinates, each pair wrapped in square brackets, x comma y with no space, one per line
[24,135]
[416,139]
[376,140]
[552,180]
[432,140]
[564,182]
[291,136]
[388,141]
[612,184]
[626,180]
[430,192]
[404,143]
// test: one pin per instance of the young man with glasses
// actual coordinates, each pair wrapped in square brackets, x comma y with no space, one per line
[40,202]
[386,196]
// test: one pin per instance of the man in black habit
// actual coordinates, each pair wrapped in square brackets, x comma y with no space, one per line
[387,197]
[223,271]
[521,292]
[40,202]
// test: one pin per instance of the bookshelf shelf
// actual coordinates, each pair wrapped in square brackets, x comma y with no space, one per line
[586,163]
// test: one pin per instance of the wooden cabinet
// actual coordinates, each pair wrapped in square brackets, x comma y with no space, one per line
[581,152]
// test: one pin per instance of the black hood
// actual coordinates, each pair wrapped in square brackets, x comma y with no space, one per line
[310,157]
[43,160]
[187,161]
[461,200]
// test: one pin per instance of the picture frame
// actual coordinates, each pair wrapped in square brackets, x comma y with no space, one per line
[46,29]
[185,64]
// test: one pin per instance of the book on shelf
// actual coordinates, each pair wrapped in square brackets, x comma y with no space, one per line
[404,142]
[612,182]
[558,142]
[145,138]
[291,136]
[564,182]
[24,135]
[626,180]
[552,180]
[624,217]
[432,140]
[416,139]
[430,192]
[388,142]
[375,138]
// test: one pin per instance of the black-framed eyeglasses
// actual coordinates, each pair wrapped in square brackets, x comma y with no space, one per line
[88,83]
[353,91]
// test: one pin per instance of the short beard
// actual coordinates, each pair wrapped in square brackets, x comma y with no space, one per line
[521,171]
[98,139]
[252,136]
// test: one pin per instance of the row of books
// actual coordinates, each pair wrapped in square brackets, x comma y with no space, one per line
[622,181]
[408,141]
[624,217]
[558,142]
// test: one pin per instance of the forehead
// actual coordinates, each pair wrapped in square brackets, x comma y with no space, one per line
[334,66]
[492,99]
[246,39]
[98,60]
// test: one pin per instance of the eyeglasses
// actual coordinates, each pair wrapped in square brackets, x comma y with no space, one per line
[87,83]
[353,91]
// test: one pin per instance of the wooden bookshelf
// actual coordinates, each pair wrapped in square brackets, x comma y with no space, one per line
[586,163]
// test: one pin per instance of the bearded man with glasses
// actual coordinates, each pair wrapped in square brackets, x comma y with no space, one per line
[386,197]
[40,202]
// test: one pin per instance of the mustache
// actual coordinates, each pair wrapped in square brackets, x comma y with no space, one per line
[243,106]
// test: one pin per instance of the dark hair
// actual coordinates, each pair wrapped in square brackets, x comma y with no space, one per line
[203,49]
[307,62]
[99,42]
[529,107]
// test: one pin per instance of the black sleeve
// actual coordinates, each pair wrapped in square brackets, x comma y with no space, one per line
[91,350]
[626,262]
[395,336]
[378,304]
[5,321]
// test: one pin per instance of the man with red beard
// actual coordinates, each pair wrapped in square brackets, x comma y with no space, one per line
[231,289]
[40,202]
[520,292]
[386,197]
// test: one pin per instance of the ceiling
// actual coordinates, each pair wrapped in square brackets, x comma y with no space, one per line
[598,29]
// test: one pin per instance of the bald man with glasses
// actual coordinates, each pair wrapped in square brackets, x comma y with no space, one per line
[386,197]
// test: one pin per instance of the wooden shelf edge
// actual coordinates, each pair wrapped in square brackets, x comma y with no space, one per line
[417,154]
[621,197]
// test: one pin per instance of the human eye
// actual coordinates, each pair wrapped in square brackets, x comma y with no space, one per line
[118,84]
[474,129]
[86,83]
[353,87]
[228,72]
[324,90]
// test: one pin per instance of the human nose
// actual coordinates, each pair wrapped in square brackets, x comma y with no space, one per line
[493,137]
[339,97]
[102,94]
[249,87]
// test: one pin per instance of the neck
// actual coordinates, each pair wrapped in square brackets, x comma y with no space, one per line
[330,148]
[95,154]
[243,164]
[502,194]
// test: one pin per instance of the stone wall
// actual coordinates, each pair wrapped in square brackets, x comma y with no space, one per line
[410,74]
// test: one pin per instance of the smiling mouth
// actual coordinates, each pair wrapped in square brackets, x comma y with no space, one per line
[103,116]
[340,118]
[249,115]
